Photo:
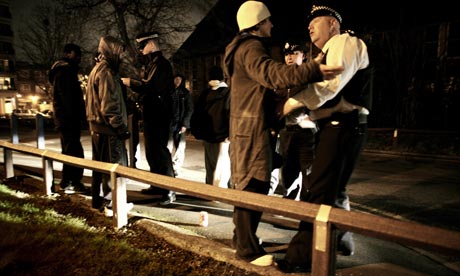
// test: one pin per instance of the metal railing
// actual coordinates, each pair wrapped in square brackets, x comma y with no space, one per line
[326,220]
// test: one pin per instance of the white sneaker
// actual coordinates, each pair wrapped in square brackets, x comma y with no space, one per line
[108,212]
[264,260]
[129,206]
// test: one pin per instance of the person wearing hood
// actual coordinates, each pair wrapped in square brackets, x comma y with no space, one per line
[69,114]
[107,118]
[254,75]
[210,123]
[155,87]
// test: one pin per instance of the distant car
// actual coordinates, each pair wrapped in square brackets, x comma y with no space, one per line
[24,113]
[46,114]
[28,117]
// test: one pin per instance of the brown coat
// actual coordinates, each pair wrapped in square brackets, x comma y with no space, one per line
[254,76]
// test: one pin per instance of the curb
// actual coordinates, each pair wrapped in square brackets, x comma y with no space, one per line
[202,246]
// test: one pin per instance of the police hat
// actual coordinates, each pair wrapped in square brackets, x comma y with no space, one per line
[292,46]
[143,39]
[326,8]
[147,36]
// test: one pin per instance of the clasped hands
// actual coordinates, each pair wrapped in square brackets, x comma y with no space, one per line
[126,81]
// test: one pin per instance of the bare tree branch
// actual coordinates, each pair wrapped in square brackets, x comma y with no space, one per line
[85,21]
[50,27]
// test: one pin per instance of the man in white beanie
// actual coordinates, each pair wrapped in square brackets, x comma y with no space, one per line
[254,75]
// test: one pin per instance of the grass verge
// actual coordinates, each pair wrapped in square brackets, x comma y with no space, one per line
[57,235]
[60,244]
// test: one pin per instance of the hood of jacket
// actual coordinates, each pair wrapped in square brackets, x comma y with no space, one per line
[111,50]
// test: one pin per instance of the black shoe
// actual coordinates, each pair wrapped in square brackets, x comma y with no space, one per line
[345,248]
[78,188]
[82,189]
[70,188]
[152,191]
[98,202]
[106,208]
[287,267]
[64,184]
[103,205]
[168,199]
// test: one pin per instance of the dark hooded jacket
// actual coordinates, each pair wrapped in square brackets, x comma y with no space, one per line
[211,116]
[105,106]
[68,103]
[182,107]
[254,76]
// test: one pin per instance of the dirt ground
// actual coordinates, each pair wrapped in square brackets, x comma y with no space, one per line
[136,235]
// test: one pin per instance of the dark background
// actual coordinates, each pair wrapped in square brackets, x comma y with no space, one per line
[415,49]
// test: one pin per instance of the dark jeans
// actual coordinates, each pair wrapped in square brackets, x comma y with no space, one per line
[246,221]
[71,145]
[297,147]
[106,148]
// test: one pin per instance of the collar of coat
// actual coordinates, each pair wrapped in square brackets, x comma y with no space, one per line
[237,41]
[151,56]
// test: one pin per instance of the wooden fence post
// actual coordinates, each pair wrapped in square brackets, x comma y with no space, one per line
[8,161]
[323,251]
[119,199]
[48,175]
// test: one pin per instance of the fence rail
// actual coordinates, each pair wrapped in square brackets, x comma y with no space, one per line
[326,220]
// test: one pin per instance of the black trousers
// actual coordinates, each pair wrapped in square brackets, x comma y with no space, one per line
[297,148]
[134,117]
[338,145]
[246,222]
[156,136]
[71,145]
[106,148]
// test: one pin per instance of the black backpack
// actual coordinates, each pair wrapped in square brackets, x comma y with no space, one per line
[210,119]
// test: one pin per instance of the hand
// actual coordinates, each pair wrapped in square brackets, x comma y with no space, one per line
[329,71]
[319,57]
[126,81]
[290,105]
[124,135]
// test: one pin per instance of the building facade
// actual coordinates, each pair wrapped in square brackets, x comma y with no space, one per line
[23,87]
[7,61]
